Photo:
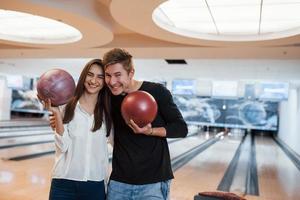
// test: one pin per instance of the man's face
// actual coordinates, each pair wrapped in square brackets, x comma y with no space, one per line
[118,79]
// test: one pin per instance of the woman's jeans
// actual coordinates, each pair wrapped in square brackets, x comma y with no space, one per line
[123,191]
[63,189]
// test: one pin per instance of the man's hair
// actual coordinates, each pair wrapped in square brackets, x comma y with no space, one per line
[118,55]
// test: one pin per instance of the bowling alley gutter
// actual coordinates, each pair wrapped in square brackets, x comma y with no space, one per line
[24,144]
[293,156]
[185,157]
[241,173]
[29,156]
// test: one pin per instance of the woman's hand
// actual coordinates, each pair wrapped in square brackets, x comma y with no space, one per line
[54,112]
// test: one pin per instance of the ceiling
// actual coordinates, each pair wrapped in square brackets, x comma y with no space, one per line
[105,24]
[230,20]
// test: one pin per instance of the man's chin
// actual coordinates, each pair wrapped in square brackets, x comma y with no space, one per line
[116,92]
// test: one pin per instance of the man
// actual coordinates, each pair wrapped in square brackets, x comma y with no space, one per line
[141,167]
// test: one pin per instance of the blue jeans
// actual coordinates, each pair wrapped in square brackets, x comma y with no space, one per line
[123,191]
[63,189]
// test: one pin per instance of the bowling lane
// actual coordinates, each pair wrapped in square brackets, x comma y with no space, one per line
[278,177]
[30,132]
[185,144]
[25,150]
[26,139]
[23,123]
[205,171]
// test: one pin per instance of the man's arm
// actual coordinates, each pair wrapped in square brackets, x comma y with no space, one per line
[175,124]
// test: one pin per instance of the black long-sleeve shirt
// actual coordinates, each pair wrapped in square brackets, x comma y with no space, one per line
[142,159]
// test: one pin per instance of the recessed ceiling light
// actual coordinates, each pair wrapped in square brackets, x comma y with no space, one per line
[28,28]
[230,20]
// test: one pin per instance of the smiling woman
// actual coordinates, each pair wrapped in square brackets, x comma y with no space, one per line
[81,126]
[24,27]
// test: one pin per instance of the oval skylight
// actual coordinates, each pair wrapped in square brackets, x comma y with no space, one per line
[27,28]
[230,20]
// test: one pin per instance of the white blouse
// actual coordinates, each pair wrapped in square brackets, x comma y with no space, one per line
[81,154]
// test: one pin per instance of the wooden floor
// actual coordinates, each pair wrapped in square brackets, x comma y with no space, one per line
[279,179]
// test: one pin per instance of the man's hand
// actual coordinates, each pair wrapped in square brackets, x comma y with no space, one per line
[147,130]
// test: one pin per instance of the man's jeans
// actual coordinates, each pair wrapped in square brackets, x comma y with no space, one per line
[123,191]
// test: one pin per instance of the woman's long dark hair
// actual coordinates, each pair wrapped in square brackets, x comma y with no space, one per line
[102,108]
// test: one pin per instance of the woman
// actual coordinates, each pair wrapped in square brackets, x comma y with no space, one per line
[81,159]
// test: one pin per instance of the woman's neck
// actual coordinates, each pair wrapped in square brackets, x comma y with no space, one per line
[88,99]
[88,102]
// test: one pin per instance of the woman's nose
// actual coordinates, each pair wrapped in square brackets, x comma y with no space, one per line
[93,80]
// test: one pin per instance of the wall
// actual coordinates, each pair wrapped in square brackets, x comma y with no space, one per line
[289,124]
[5,100]
[219,69]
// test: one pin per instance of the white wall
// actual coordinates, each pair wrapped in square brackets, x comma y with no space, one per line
[5,100]
[272,70]
[219,69]
[222,69]
[289,124]
[36,67]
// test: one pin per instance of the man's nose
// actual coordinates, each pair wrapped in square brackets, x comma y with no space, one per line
[112,80]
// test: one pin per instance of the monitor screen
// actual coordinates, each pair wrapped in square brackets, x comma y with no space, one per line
[249,91]
[14,81]
[275,91]
[225,89]
[183,87]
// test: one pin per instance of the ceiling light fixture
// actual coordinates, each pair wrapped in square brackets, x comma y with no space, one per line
[27,28]
[230,20]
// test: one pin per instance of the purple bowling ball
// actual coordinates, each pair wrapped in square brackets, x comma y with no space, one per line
[56,84]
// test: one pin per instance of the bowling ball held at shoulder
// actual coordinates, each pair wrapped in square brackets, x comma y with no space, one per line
[57,85]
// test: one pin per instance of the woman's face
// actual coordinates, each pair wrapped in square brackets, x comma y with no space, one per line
[94,81]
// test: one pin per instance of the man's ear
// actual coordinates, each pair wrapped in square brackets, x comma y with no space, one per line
[131,73]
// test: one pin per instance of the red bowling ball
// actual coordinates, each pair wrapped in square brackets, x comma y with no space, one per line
[56,84]
[140,106]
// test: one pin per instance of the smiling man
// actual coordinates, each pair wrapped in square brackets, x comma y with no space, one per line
[141,166]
